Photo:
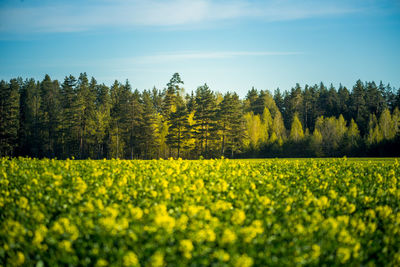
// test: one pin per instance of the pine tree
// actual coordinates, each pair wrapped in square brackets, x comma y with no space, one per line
[120,96]
[236,132]
[69,118]
[28,118]
[86,97]
[173,88]
[205,115]
[293,104]
[250,101]
[343,102]
[278,99]
[374,99]
[9,117]
[50,110]
[150,142]
[99,126]
[307,107]
[157,98]
[135,122]
[178,126]
[231,124]
[358,106]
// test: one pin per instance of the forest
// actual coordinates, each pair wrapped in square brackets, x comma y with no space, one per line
[80,118]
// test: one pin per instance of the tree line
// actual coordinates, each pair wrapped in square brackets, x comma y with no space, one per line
[81,118]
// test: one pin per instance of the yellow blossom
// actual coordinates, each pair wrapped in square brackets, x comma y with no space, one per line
[130,259]
[228,237]
[343,254]
[238,217]
[244,261]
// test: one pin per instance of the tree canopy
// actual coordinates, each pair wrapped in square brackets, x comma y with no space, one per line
[81,118]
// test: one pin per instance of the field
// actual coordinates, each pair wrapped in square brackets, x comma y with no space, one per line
[200,213]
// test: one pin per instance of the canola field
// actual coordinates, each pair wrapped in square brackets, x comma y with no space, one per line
[199,213]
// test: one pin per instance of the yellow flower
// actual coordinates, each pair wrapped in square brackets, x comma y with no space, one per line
[19,259]
[23,203]
[199,183]
[351,208]
[175,189]
[221,255]
[228,237]
[244,261]
[101,263]
[342,200]
[238,217]
[102,190]
[315,251]
[130,259]
[162,218]
[332,194]
[108,182]
[181,223]
[383,211]
[136,212]
[343,254]
[370,213]
[221,205]
[322,202]
[157,260]
[186,247]
[80,185]
[40,233]
[65,245]
[353,192]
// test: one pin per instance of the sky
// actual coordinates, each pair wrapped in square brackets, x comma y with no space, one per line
[230,45]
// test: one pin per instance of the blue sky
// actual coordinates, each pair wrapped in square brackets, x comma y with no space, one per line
[230,45]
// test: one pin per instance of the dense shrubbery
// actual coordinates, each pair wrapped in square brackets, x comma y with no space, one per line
[207,212]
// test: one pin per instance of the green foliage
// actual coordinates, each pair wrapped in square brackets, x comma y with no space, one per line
[83,119]
[9,117]
[205,117]
[178,126]
[386,125]
[296,131]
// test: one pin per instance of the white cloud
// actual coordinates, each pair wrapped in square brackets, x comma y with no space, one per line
[168,57]
[81,15]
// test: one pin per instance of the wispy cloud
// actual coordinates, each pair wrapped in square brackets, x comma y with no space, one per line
[183,56]
[69,16]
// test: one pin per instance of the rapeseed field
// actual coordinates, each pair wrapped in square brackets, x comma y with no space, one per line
[199,213]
